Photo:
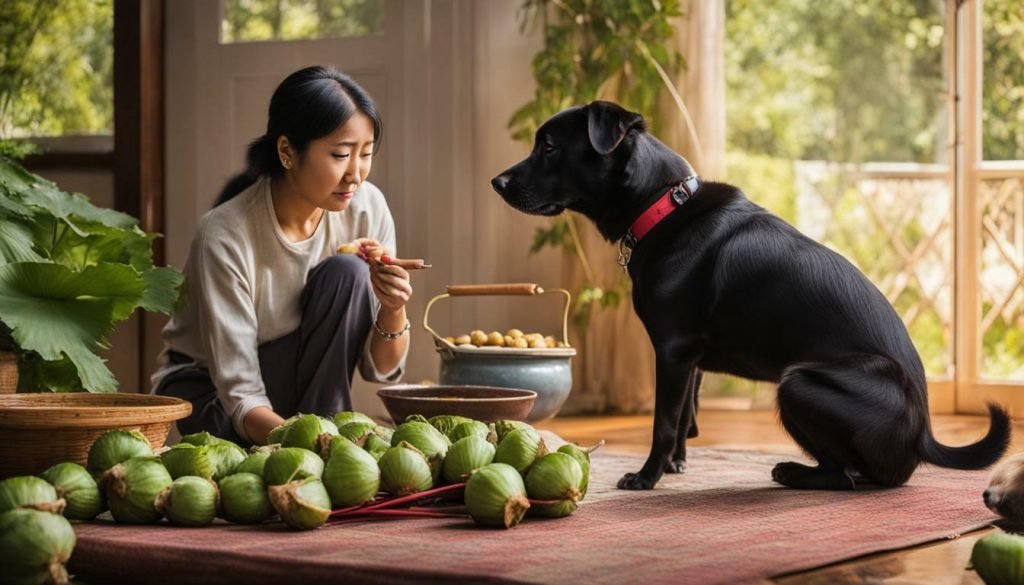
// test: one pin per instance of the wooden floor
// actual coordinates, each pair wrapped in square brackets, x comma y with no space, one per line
[935,564]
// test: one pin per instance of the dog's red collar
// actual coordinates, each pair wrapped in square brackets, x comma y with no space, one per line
[674,197]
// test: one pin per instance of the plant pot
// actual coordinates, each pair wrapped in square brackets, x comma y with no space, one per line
[8,372]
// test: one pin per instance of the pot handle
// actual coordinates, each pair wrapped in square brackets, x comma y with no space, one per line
[514,288]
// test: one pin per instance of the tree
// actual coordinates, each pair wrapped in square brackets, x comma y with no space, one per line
[56,67]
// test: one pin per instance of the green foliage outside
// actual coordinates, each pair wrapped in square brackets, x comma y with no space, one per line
[855,81]
[1002,114]
[56,67]
[264,20]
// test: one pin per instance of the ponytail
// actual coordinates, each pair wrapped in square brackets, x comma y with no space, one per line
[261,161]
[309,104]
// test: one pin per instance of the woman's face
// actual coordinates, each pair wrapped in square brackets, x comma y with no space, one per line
[332,168]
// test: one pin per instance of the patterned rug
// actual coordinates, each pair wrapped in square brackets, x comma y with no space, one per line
[722,522]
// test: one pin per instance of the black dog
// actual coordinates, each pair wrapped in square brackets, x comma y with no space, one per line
[723,285]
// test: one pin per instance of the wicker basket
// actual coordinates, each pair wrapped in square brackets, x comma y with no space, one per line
[8,372]
[40,430]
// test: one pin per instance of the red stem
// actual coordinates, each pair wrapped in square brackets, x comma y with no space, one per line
[391,503]
[379,505]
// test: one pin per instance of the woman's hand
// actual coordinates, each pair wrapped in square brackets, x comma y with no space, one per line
[390,280]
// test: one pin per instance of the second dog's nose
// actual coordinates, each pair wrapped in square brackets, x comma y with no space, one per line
[499,183]
[988,498]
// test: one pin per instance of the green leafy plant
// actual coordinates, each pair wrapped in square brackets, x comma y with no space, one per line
[69,272]
[619,50]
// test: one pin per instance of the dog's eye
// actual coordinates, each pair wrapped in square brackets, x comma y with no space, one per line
[547,148]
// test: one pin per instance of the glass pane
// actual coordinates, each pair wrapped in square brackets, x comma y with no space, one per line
[1002,277]
[286,20]
[56,67]
[1003,80]
[836,121]
[1001,192]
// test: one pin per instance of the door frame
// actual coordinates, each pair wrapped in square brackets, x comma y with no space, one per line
[971,391]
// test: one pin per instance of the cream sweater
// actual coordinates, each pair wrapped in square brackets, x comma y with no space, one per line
[243,281]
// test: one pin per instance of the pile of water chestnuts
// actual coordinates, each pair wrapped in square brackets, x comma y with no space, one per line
[312,469]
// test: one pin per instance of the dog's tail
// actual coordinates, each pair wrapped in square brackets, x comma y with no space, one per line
[976,455]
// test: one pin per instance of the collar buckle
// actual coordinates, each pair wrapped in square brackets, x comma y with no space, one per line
[684,191]
[625,246]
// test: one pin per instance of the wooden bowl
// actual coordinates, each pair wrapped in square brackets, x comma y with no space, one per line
[40,430]
[483,403]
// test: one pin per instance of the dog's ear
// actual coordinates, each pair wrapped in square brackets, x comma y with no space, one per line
[608,124]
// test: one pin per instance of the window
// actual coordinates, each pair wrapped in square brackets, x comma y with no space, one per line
[837,121]
[1000,192]
[284,20]
[56,68]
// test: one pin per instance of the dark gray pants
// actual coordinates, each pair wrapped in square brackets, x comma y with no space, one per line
[309,370]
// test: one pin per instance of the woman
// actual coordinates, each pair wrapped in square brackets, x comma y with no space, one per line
[275,322]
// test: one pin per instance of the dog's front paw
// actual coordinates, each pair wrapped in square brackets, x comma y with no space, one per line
[635,481]
[676,466]
[783,472]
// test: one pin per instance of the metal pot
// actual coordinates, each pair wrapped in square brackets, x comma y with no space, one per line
[546,371]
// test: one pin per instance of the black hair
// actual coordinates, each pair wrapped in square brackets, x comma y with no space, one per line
[309,104]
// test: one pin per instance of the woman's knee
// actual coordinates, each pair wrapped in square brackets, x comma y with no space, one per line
[341,269]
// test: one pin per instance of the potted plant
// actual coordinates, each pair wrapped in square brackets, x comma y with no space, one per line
[608,50]
[69,272]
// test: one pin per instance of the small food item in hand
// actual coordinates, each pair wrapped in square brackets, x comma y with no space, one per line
[349,248]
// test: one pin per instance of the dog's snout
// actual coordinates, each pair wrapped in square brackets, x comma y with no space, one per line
[499,183]
[991,498]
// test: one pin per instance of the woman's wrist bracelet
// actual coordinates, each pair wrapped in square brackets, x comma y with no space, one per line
[390,335]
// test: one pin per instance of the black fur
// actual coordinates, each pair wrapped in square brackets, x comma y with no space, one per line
[722,285]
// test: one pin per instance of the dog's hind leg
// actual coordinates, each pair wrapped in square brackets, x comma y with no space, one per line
[851,416]
[687,423]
